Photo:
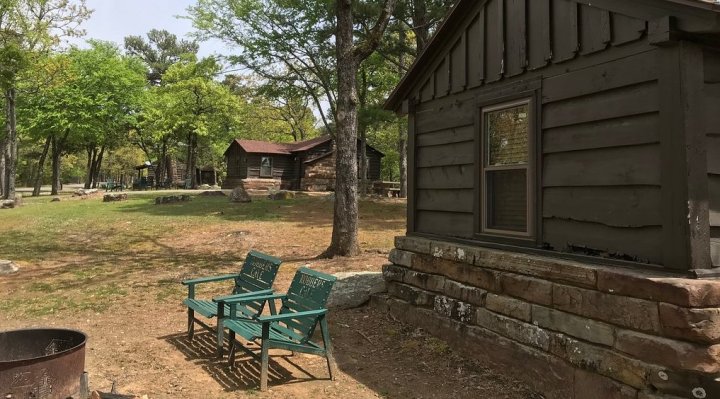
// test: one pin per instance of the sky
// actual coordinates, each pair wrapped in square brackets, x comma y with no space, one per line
[115,19]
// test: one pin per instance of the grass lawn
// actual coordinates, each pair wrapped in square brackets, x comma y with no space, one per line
[113,270]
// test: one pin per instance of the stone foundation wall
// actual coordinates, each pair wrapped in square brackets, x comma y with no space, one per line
[568,329]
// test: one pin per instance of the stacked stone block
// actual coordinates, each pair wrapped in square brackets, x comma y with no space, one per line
[569,329]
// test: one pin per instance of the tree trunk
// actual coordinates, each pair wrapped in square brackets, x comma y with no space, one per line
[345,221]
[97,166]
[3,149]
[161,169]
[11,146]
[56,154]
[41,168]
[193,170]
[90,164]
[402,150]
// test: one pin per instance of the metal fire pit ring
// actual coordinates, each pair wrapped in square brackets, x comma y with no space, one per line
[41,363]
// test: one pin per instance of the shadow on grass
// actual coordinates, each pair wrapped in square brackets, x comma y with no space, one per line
[311,211]
[246,373]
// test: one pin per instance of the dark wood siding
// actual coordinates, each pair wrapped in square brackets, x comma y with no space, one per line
[236,162]
[601,159]
[712,123]
[506,38]
[283,166]
[599,142]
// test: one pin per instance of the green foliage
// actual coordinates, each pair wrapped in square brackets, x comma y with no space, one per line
[159,52]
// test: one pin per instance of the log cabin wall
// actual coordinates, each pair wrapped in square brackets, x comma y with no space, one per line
[283,166]
[598,146]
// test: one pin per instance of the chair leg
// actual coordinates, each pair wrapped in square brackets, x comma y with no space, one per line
[332,367]
[220,336]
[191,324]
[231,350]
[264,357]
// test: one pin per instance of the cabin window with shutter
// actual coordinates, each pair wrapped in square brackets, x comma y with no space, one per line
[266,167]
[506,173]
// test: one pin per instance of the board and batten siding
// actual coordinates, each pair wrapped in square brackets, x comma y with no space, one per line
[600,171]
[283,167]
[712,123]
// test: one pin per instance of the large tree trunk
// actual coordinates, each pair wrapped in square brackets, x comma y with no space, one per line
[11,147]
[345,221]
[41,168]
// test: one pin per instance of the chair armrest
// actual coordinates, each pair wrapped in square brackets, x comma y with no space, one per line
[242,296]
[213,279]
[291,316]
[254,298]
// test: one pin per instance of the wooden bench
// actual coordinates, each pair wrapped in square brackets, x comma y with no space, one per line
[256,277]
[303,309]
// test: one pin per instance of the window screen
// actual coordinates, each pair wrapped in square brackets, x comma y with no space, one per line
[506,160]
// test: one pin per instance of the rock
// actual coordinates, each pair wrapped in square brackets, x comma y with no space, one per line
[56,199]
[114,197]
[172,199]
[204,187]
[7,204]
[81,192]
[669,353]
[281,195]
[354,289]
[214,193]
[240,195]
[7,267]
[508,306]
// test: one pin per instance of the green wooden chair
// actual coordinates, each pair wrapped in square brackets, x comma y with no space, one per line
[303,308]
[256,277]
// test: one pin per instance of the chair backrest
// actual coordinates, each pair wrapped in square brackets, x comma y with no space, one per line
[309,290]
[258,272]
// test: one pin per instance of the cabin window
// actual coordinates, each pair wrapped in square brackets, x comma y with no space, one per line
[506,174]
[265,167]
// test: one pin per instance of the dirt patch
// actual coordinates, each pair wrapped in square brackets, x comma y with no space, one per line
[114,272]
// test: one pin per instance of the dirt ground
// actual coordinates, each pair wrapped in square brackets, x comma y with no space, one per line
[121,286]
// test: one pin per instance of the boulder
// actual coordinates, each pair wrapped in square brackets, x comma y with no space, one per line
[204,187]
[353,289]
[171,199]
[7,267]
[281,195]
[212,193]
[81,192]
[7,204]
[114,197]
[240,195]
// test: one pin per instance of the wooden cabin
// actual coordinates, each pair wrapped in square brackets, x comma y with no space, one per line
[307,165]
[564,179]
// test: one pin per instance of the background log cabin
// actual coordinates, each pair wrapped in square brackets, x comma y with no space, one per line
[307,165]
